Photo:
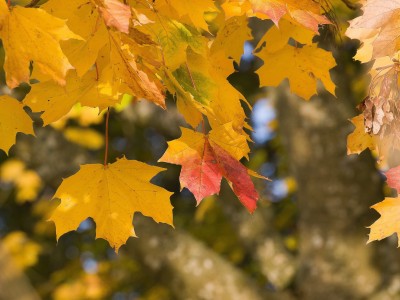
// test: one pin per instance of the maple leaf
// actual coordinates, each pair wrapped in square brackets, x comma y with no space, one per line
[204,162]
[127,71]
[193,86]
[117,15]
[200,171]
[231,140]
[215,96]
[302,66]
[185,102]
[174,39]
[195,78]
[56,101]
[359,140]
[226,107]
[305,12]
[13,119]
[83,18]
[231,37]
[31,34]
[200,87]
[380,23]
[389,222]
[238,177]
[393,178]
[277,38]
[194,74]
[192,11]
[122,55]
[110,196]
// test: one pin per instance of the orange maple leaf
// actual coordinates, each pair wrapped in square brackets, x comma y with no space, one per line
[204,163]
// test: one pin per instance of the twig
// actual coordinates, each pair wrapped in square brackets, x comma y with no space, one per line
[106,139]
[33,3]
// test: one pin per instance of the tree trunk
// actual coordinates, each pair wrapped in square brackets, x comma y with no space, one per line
[334,194]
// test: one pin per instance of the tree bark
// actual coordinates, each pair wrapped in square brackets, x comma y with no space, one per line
[334,194]
[263,242]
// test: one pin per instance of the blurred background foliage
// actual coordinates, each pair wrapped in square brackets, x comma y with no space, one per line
[303,242]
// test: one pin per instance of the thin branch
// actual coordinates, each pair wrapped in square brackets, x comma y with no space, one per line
[106,139]
[33,3]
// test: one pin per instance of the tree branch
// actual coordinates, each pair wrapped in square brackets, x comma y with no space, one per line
[195,271]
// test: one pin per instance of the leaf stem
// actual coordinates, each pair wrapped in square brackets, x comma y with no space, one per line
[9,3]
[203,126]
[97,71]
[106,139]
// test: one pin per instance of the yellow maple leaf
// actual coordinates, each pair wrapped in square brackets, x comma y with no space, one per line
[231,37]
[192,11]
[138,78]
[200,88]
[110,196]
[389,221]
[359,140]
[277,37]
[215,97]
[31,34]
[174,39]
[302,66]
[226,106]
[84,19]
[56,101]
[195,78]
[221,63]
[185,102]
[13,119]
[234,142]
